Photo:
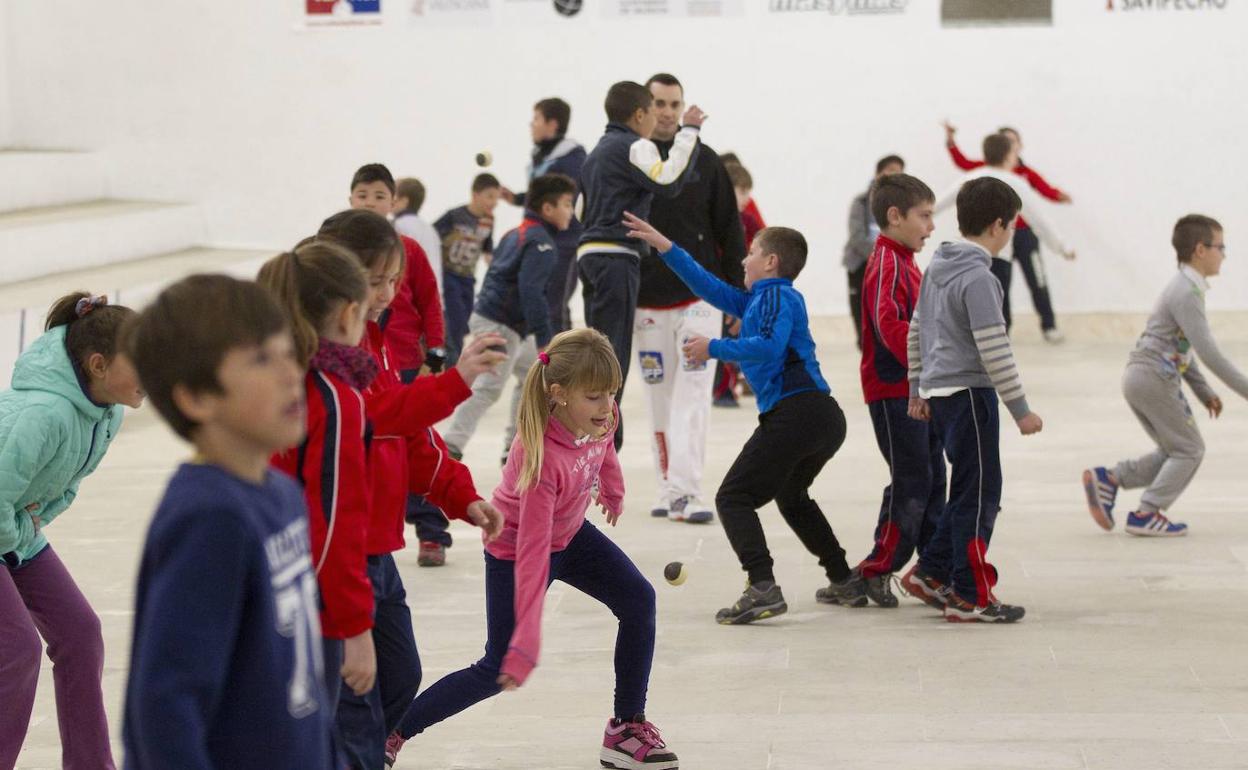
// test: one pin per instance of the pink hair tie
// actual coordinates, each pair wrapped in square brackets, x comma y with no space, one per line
[544,357]
[87,304]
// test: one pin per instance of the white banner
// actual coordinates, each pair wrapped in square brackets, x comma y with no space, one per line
[451,13]
[642,9]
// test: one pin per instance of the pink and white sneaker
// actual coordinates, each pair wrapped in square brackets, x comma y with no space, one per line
[393,744]
[635,745]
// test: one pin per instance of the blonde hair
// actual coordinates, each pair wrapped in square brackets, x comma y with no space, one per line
[580,360]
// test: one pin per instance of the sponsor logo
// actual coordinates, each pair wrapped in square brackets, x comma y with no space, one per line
[840,7]
[1165,5]
[651,366]
[342,7]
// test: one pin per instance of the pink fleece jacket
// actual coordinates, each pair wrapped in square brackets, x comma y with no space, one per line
[543,519]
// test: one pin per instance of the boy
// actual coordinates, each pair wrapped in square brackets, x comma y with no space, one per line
[554,152]
[1001,159]
[512,303]
[960,362]
[409,198]
[901,206]
[623,173]
[467,234]
[226,664]
[1176,329]
[863,231]
[800,425]
[727,375]
[416,312]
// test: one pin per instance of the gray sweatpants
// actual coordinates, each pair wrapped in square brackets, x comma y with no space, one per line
[1157,399]
[521,355]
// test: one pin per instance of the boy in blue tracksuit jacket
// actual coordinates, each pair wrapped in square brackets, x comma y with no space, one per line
[800,426]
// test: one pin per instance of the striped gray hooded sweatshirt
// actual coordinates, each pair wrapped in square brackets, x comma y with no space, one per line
[957,335]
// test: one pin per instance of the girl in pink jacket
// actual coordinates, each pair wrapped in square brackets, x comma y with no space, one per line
[562,457]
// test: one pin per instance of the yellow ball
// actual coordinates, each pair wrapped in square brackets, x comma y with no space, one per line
[484,159]
[675,573]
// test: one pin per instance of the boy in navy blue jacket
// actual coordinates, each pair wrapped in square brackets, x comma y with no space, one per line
[800,426]
[226,666]
[513,303]
[624,173]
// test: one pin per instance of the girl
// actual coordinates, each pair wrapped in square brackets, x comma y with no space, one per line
[405,454]
[324,293]
[563,453]
[55,426]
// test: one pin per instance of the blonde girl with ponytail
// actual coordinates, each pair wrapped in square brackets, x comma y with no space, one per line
[563,456]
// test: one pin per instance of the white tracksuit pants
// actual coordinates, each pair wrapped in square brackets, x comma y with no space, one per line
[488,387]
[679,394]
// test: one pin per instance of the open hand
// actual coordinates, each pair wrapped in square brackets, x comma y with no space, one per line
[1214,405]
[487,518]
[613,517]
[920,410]
[1030,424]
[950,130]
[694,116]
[480,356]
[642,230]
[506,682]
[697,349]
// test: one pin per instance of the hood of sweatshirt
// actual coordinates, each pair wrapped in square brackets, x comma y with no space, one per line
[953,260]
[46,366]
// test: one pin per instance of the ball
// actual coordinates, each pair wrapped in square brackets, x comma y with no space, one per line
[484,158]
[675,573]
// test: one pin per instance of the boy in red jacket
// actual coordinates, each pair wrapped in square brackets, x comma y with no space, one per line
[902,206]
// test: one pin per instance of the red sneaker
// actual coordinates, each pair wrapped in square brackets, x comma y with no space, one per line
[431,554]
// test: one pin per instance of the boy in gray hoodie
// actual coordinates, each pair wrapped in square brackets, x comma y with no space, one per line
[960,362]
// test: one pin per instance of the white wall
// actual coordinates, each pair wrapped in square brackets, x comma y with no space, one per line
[6,53]
[1138,114]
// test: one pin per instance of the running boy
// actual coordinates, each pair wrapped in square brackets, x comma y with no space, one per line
[467,234]
[225,666]
[960,362]
[1176,329]
[800,426]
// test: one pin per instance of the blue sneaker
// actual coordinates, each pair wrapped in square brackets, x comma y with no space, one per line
[1153,525]
[1101,492]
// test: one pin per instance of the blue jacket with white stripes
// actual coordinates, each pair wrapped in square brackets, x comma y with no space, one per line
[775,350]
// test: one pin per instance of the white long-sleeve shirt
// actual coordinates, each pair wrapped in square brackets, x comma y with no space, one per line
[1032,210]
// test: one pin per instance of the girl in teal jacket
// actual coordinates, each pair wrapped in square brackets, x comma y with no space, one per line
[56,422]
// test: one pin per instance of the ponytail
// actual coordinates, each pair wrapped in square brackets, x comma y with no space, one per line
[309,282]
[94,326]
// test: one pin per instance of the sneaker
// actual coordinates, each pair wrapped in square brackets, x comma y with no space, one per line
[958,610]
[1153,525]
[760,600]
[925,588]
[635,745]
[393,744]
[1101,490]
[727,401]
[850,592]
[1054,336]
[661,510]
[880,589]
[690,509]
[431,554]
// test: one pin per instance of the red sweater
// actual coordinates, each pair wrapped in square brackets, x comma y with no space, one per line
[416,311]
[1038,183]
[406,453]
[331,466]
[890,293]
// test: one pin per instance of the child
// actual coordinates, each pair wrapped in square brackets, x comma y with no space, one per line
[225,665]
[727,375]
[863,231]
[409,197]
[1176,329]
[324,292]
[960,362]
[415,316]
[56,423]
[467,234]
[800,425]
[742,187]
[901,205]
[405,456]
[562,457]
[513,304]
[623,173]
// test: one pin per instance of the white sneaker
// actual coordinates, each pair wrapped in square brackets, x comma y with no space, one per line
[1054,336]
[692,510]
[661,510]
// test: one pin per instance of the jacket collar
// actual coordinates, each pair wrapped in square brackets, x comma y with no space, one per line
[895,245]
[350,363]
[768,282]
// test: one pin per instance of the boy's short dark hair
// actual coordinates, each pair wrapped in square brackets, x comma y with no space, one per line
[414,190]
[548,188]
[624,99]
[1189,232]
[664,79]
[996,149]
[739,176]
[182,337]
[557,110]
[373,172]
[887,161]
[983,201]
[900,190]
[787,244]
[485,182]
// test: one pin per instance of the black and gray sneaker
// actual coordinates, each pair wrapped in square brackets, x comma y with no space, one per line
[760,600]
[850,592]
[958,610]
[880,590]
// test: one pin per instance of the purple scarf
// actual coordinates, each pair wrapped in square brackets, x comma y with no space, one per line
[350,363]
